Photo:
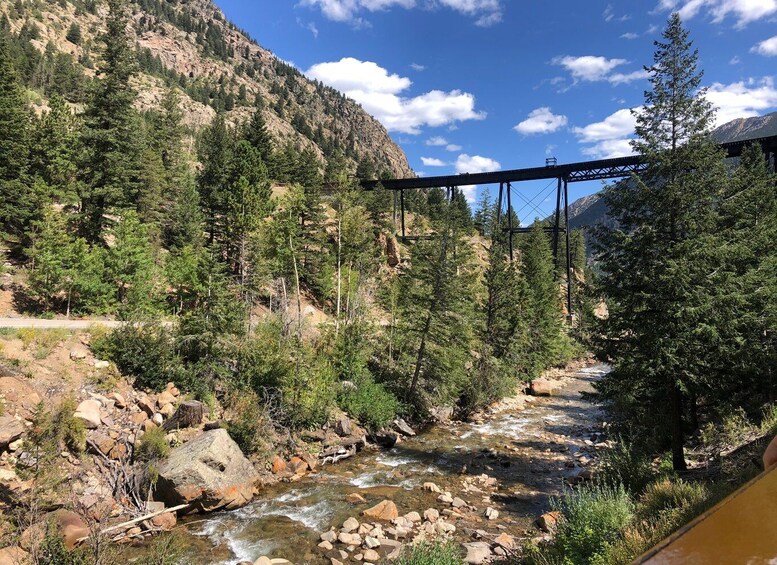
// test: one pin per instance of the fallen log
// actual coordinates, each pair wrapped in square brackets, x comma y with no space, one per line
[134,521]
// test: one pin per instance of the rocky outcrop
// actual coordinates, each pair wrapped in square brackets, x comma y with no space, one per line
[210,473]
[11,429]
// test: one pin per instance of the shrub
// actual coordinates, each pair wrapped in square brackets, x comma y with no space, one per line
[426,553]
[144,352]
[153,445]
[369,402]
[669,496]
[69,430]
[248,423]
[626,465]
[52,551]
[594,517]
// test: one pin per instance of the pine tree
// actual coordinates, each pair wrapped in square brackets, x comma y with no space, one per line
[17,207]
[215,149]
[54,158]
[655,263]
[436,313]
[484,215]
[544,318]
[741,373]
[130,266]
[112,160]
[257,135]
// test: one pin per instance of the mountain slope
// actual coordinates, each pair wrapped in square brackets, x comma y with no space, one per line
[591,210]
[191,44]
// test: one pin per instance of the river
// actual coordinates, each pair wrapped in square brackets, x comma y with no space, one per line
[529,446]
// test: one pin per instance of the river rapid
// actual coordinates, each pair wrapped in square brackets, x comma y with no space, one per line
[529,445]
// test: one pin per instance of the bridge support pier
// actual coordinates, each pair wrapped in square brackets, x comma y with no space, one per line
[569,250]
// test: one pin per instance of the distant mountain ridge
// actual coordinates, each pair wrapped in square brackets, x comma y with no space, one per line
[591,210]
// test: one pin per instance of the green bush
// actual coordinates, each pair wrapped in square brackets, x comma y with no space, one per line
[369,402]
[153,445]
[594,518]
[144,352]
[247,422]
[52,551]
[670,496]
[70,430]
[625,464]
[426,553]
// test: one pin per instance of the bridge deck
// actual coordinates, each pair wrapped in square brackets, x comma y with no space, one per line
[571,172]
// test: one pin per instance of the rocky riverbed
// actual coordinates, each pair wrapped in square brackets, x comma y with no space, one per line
[482,484]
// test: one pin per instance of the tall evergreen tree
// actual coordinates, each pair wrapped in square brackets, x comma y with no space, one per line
[112,161]
[215,152]
[57,142]
[656,262]
[17,207]
[257,135]
[544,317]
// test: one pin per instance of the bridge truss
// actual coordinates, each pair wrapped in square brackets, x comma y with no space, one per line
[564,174]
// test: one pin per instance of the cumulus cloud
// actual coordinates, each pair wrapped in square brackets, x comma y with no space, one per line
[436,141]
[452,147]
[541,120]
[625,78]
[380,94]
[432,162]
[593,68]
[744,11]
[610,137]
[474,164]
[743,99]
[485,12]
[767,48]
[588,67]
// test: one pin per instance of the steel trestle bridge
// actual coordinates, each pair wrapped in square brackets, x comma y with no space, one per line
[602,169]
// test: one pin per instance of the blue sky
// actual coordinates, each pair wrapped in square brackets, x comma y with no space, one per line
[471,85]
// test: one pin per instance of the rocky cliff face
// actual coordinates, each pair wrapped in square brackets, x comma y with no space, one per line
[192,44]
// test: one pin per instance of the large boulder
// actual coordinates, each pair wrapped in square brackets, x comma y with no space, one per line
[13,555]
[209,472]
[89,412]
[543,387]
[385,510]
[11,429]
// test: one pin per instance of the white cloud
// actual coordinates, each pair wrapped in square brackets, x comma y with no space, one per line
[742,99]
[433,162]
[609,149]
[379,93]
[452,147]
[616,125]
[417,67]
[541,120]
[436,141]
[485,12]
[630,35]
[476,164]
[767,48]
[625,78]
[610,137]
[473,164]
[735,60]
[588,67]
[744,11]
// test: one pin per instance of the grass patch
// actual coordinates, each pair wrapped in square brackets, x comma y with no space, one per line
[153,445]
[426,553]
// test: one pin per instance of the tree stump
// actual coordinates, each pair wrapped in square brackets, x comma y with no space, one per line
[188,415]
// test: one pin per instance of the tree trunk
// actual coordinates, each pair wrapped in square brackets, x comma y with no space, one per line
[188,415]
[678,453]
